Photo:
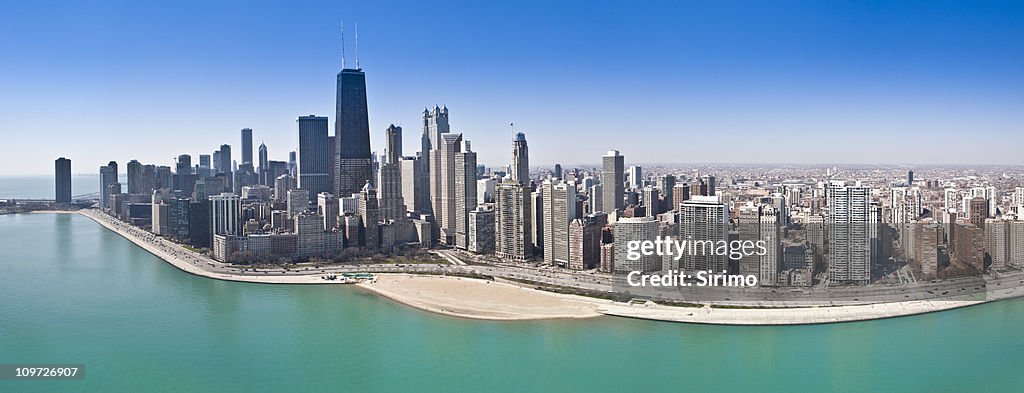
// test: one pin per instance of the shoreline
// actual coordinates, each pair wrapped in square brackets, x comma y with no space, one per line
[504,301]
[194,268]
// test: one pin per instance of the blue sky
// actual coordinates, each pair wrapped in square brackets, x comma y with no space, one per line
[721,81]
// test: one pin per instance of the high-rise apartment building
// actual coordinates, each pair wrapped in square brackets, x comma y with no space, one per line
[632,229]
[465,192]
[369,213]
[849,234]
[770,262]
[559,209]
[702,219]
[327,207]
[512,222]
[520,168]
[612,178]
[585,241]
[412,183]
[62,180]
[997,242]
[108,178]
[481,230]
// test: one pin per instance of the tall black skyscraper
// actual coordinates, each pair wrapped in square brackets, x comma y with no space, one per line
[314,160]
[247,146]
[62,174]
[352,132]
[224,166]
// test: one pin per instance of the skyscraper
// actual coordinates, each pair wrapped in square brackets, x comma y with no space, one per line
[465,192]
[435,123]
[520,160]
[393,144]
[612,176]
[225,166]
[559,210]
[449,167]
[635,229]
[636,177]
[184,179]
[585,241]
[512,222]
[108,178]
[226,209]
[412,183]
[62,176]
[264,168]
[701,219]
[392,202]
[247,146]
[770,234]
[849,234]
[368,211]
[313,165]
[352,132]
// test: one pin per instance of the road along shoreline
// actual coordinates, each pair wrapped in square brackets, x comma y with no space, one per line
[507,301]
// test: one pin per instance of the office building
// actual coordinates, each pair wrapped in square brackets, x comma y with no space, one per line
[225,211]
[392,202]
[352,133]
[435,124]
[636,177]
[314,161]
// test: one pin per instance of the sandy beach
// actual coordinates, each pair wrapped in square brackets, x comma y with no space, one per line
[479,299]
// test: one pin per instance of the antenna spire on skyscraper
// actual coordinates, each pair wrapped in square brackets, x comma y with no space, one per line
[343,44]
[357,46]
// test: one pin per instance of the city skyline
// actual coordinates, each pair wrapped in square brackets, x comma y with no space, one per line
[812,77]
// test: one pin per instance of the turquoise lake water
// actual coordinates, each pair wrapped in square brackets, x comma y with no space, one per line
[74,292]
